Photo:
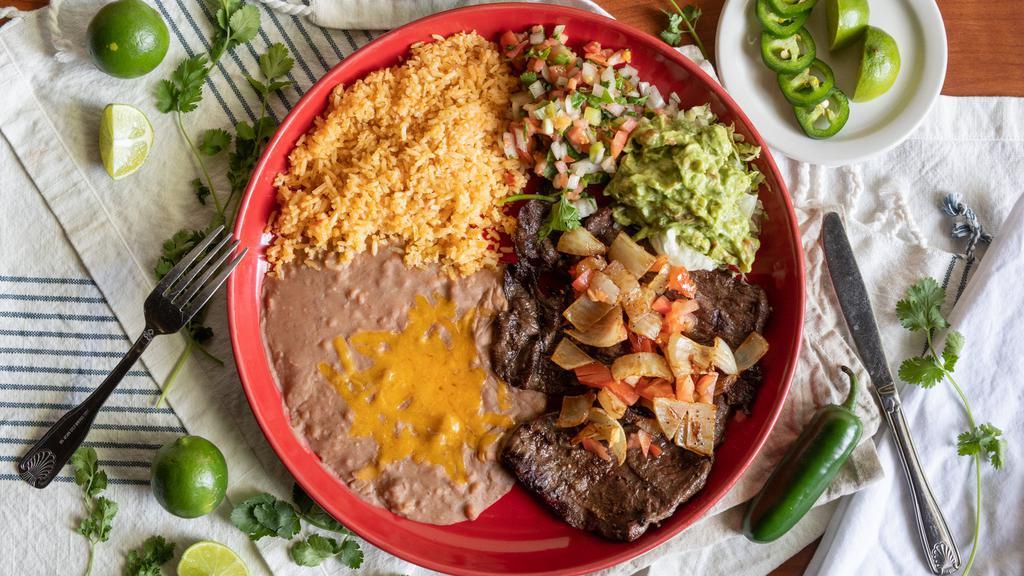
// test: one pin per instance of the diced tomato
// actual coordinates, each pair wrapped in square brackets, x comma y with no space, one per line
[655,388]
[595,375]
[705,388]
[511,45]
[655,450]
[591,47]
[659,261]
[560,181]
[572,83]
[684,388]
[640,343]
[578,135]
[556,72]
[618,142]
[680,318]
[624,391]
[595,447]
[556,94]
[661,305]
[582,282]
[679,280]
[535,65]
[628,125]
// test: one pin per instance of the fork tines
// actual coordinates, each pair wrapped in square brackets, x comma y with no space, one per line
[190,284]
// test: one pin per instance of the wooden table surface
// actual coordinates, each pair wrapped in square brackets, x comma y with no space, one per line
[984,60]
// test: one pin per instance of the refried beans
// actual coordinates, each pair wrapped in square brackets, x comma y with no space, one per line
[306,310]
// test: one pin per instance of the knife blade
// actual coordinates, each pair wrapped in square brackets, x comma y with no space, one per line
[940,549]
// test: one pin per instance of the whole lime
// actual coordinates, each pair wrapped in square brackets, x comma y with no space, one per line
[189,477]
[127,38]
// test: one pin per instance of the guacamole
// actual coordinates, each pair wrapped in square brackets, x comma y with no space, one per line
[685,182]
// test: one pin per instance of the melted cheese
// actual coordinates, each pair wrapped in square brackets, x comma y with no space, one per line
[421,397]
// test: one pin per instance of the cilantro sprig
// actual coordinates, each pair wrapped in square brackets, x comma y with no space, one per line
[147,559]
[562,217]
[681,22]
[182,93]
[99,510]
[264,515]
[921,311]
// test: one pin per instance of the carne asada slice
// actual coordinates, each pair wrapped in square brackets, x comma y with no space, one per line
[618,502]
[730,308]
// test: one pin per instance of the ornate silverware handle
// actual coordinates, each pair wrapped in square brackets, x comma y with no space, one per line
[939,546]
[43,461]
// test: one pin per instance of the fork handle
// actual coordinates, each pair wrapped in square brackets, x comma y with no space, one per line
[939,546]
[45,459]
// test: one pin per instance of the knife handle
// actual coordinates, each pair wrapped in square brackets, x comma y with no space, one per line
[939,547]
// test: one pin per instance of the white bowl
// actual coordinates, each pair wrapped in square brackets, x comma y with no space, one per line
[874,126]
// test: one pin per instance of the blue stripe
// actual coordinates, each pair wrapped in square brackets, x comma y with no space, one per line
[56,406]
[351,42]
[47,352]
[291,46]
[188,50]
[93,443]
[111,463]
[52,298]
[101,426]
[47,280]
[206,44]
[305,35]
[52,334]
[369,37]
[71,479]
[56,316]
[72,388]
[69,371]
[332,43]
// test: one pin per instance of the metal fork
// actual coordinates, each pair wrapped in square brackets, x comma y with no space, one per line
[174,301]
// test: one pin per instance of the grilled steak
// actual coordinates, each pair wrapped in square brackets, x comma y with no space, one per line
[729,307]
[618,502]
[602,225]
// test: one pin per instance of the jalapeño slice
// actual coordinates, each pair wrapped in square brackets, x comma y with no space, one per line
[808,86]
[792,7]
[826,118]
[777,24]
[787,54]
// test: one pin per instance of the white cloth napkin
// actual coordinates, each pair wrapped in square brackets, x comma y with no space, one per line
[879,519]
[111,232]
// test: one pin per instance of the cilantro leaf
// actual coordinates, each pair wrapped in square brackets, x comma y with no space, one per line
[563,216]
[314,550]
[147,559]
[183,91]
[672,35]
[276,61]
[921,310]
[951,351]
[87,471]
[202,191]
[351,554]
[260,88]
[264,515]
[922,371]
[213,141]
[311,512]
[244,23]
[984,439]
[174,248]
[97,524]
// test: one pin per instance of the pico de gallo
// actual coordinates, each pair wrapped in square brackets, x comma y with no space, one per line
[574,114]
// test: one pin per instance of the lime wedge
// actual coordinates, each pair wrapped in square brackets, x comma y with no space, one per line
[125,138]
[879,65]
[211,559]
[847,20]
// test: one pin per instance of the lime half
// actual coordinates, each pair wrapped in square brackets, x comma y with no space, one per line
[879,65]
[211,559]
[125,138]
[847,20]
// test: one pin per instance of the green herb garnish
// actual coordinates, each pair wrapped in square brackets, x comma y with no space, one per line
[99,511]
[687,17]
[316,548]
[147,559]
[921,311]
[264,515]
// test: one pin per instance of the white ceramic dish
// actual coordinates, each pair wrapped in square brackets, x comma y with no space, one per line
[874,126]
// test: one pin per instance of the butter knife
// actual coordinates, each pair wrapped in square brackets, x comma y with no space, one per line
[939,547]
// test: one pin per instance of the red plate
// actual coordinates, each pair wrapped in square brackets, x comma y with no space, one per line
[517,534]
